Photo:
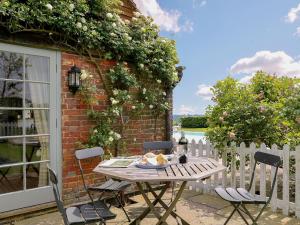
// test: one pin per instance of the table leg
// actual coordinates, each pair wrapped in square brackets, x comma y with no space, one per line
[170,208]
[148,210]
[165,206]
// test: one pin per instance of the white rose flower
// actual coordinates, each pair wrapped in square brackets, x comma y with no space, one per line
[109,15]
[83,75]
[84,28]
[94,32]
[158,81]
[129,38]
[118,136]
[144,90]
[49,6]
[111,132]
[151,106]
[79,25]
[146,98]
[163,41]
[161,60]
[71,7]
[114,24]
[133,107]
[134,19]
[127,21]
[137,14]
[95,131]
[114,101]
[110,139]
[83,20]
[141,65]
[115,92]
[112,34]
[134,139]
[164,93]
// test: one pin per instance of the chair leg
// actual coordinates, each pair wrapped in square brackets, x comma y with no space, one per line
[120,203]
[254,220]
[235,209]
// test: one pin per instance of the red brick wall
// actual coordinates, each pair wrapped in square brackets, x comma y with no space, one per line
[76,126]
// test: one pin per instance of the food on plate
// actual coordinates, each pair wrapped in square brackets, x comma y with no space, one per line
[151,158]
[161,159]
[150,155]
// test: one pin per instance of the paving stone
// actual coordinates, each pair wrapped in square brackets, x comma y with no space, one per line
[195,208]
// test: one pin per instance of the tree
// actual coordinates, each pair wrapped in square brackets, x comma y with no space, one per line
[264,111]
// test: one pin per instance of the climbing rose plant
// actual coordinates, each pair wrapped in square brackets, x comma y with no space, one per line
[145,62]
[266,110]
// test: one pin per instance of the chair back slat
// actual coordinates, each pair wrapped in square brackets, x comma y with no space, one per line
[167,146]
[89,153]
[269,159]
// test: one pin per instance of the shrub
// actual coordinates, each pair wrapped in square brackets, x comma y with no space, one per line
[194,122]
[264,111]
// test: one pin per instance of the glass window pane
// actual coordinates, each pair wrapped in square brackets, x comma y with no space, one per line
[11,150]
[37,95]
[37,148]
[37,121]
[11,93]
[37,175]
[11,122]
[37,68]
[11,179]
[11,65]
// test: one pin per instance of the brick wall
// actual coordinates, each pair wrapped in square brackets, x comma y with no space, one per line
[76,126]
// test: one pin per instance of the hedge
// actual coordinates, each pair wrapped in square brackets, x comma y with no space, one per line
[194,122]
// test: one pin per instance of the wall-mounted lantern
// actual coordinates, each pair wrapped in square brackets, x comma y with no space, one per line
[74,78]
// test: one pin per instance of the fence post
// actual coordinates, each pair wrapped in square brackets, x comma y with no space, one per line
[233,164]
[286,179]
[297,190]
[262,175]
[242,151]
[224,162]
[193,148]
[251,155]
[274,150]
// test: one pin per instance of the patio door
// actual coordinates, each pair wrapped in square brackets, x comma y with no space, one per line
[29,109]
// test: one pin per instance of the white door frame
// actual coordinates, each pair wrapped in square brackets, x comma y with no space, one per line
[31,197]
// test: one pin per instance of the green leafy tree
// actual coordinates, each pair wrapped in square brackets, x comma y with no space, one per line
[264,111]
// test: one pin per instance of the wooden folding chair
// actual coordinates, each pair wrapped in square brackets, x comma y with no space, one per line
[240,197]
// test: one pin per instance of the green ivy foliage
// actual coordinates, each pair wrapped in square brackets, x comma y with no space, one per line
[146,62]
[267,110]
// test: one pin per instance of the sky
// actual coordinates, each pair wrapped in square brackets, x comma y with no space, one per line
[220,38]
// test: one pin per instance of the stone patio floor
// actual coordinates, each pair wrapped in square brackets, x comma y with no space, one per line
[194,207]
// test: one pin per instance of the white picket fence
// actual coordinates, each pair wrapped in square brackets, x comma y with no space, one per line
[240,176]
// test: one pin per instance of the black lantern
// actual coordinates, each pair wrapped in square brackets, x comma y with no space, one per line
[74,78]
[183,143]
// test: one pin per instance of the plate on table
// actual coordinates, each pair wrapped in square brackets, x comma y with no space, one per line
[152,164]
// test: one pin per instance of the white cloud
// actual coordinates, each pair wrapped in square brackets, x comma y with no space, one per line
[188,26]
[204,91]
[185,110]
[246,79]
[293,14]
[297,33]
[277,63]
[167,20]
[199,3]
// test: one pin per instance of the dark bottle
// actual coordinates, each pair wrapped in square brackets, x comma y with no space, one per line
[183,143]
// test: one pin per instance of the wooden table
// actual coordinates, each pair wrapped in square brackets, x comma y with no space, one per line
[195,169]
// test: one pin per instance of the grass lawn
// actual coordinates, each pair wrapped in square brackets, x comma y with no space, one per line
[195,129]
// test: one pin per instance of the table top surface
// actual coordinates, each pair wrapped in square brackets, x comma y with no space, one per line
[196,169]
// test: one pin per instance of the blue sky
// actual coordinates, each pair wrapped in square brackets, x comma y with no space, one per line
[217,38]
